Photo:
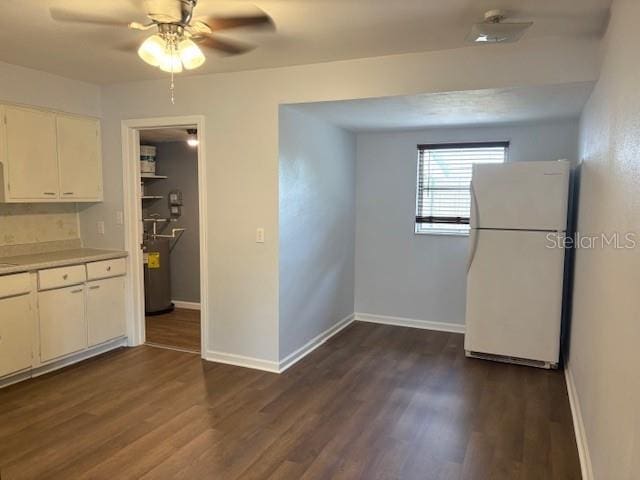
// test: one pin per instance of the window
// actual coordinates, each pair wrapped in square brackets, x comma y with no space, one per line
[443,200]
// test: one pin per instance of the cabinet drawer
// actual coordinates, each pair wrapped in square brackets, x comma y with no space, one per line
[61,277]
[12,285]
[106,269]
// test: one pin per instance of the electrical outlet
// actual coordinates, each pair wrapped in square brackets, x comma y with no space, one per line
[260,235]
[119,218]
[100,228]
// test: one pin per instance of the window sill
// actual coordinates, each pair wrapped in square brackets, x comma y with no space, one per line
[443,234]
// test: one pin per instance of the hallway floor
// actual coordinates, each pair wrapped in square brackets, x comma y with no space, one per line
[178,329]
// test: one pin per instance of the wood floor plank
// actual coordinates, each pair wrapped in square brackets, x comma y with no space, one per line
[375,402]
[177,329]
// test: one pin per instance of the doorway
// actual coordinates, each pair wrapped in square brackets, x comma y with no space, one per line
[165,225]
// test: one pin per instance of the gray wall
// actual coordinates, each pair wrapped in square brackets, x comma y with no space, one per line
[317,227]
[423,277]
[605,328]
[180,163]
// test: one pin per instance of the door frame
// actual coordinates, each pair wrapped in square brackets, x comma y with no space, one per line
[130,130]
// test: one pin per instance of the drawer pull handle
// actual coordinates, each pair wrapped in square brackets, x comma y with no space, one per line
[68,193]
[94,287]
[49,193]
[76,291]
[108,269]
[65,276]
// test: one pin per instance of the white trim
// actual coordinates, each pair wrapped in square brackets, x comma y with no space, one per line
[410,322]
[63,362]
[186,305]
[242,361]
[314,343]
[578,426]
[169,347]
[132,218]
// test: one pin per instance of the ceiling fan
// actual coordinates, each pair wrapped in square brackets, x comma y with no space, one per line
[494,29]
[178,34]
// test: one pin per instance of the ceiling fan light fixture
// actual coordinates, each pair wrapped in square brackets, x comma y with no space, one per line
[190,54]
[153,50]
[171,63]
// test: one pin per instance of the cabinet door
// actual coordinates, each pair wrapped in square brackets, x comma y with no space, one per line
[15,334]
[79,158]
[63,328]
[32,161]
[105,310]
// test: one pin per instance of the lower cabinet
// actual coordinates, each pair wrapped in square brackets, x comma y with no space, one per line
[63,326]
[15,334]
[105,310]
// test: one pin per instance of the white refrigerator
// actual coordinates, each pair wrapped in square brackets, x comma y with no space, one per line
[516,267]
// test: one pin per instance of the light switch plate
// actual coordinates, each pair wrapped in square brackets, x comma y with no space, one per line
[100,228]
[119,218]
[260,235]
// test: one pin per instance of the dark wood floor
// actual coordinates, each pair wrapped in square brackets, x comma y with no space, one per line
[177,329]
[375,402]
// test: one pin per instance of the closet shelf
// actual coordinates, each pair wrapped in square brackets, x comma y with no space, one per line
[151,176]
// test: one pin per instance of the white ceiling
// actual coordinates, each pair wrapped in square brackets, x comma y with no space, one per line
[163,135]
[479,107]
[309,31]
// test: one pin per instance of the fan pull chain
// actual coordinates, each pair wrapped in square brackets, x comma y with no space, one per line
[172,89]
[172,86]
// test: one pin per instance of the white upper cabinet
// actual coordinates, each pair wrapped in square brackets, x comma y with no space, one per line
[49,157]
[79,158]
[30,163]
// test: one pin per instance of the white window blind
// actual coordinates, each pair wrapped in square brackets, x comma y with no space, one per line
[443,200]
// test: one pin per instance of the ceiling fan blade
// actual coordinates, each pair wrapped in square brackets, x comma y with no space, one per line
[140,26]
[62,15]
[224,23]
[224,46]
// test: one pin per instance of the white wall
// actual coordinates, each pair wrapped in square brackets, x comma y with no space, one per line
[605,331]
[317,227]
[423,277]
[39,89]
[241,111]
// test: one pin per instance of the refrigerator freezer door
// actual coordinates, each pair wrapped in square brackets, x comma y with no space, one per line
[520,195]
[514,295]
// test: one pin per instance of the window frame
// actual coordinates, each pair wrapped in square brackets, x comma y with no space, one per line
[448,146]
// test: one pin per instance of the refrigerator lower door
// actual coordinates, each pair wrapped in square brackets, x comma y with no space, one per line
[514,295]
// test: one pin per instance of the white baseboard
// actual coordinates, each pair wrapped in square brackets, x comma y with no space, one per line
[578,426]
[63,362]
[242,361]
[288,361]
[410,322]
[311,345]
[314,343]
[186,305]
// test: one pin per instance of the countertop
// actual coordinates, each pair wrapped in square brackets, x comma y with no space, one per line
[61,258]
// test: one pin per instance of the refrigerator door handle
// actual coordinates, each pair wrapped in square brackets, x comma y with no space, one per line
[474,220]
[475,225]
[473,234]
